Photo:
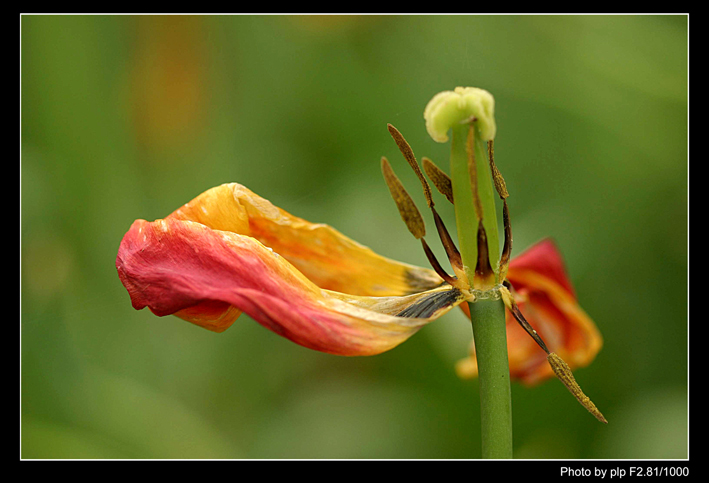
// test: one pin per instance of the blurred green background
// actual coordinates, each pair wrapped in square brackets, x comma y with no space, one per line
[127,117]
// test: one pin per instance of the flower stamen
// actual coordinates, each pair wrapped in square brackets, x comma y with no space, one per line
[439,178]
[452,252]
[407,208]
[507,246]
[561,369]
[408,153]
[437,266]
[412,217]
[449,245]
[484,275]
[563,372]
[505,292]
[497,178]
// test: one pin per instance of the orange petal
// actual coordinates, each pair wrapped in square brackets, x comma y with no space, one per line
[325,256]
[207,276]
[546,297]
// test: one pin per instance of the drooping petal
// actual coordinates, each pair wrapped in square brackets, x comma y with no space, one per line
[546,297]
[325,256]
[206,276]
[543,259]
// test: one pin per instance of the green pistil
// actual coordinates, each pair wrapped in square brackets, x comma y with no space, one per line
[487,316]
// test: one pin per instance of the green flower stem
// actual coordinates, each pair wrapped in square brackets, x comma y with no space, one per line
[487,316]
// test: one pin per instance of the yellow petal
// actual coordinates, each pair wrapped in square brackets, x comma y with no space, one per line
[324,255]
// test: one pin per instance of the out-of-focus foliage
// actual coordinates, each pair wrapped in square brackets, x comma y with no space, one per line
[128,117]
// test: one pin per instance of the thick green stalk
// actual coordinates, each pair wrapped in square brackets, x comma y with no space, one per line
[488,316]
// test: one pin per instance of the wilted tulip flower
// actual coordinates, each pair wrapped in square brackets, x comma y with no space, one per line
[230,251]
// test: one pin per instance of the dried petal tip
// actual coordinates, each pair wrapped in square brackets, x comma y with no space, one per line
[450,107]
[563,372]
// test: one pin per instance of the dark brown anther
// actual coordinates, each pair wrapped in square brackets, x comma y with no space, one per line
[407,208]
[439,178]
[497,178]
[507,247]
[484,276]
[508,298]
[411,159]
[448,243]
[436,266]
